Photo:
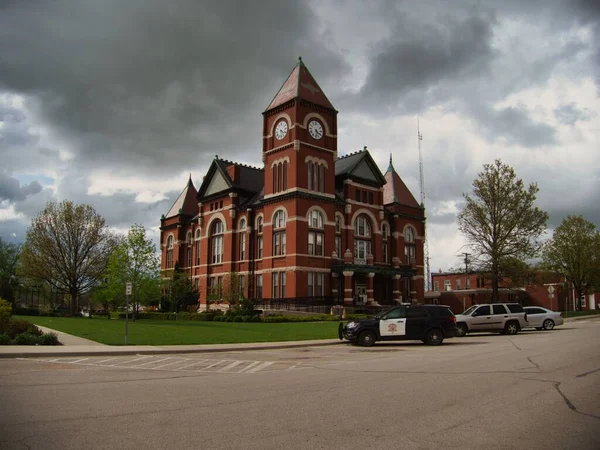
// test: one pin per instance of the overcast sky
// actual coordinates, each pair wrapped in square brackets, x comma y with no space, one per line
[115,103]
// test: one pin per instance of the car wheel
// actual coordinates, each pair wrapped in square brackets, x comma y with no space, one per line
[341,331]
[434,337]
[461,330]
[366,338]
[511,328]
[548,324]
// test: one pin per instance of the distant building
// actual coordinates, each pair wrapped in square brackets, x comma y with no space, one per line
[460,291]
[308,224]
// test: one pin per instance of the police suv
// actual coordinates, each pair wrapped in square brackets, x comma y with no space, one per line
[428,323]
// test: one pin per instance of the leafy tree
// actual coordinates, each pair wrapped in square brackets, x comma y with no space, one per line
[9,257]
[574,252]
[501,220]
[133,260]
[67,246]
[180,292]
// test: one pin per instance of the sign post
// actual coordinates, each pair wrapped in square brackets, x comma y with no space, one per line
[127,295]
[551,295]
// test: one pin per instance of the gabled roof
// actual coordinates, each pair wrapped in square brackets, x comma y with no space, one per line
[300,84]
[186,202]
[219,178]
[395,191]
[360,165]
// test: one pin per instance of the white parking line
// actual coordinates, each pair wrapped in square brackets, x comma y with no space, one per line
[151,362]
[193,364]
[260,367]
[79,360]
[230,366]
[133,360]
[105,360]
[170,364]
[212,365]
[250,366]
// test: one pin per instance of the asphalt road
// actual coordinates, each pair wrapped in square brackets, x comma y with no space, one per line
[534,390]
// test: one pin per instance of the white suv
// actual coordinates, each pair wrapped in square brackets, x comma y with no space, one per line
[507,318]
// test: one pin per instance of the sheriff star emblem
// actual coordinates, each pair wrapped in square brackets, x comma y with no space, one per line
[392,328]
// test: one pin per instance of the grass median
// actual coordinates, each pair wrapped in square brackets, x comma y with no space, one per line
[164,332]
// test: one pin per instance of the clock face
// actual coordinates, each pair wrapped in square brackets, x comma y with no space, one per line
[315,129]
[281,129]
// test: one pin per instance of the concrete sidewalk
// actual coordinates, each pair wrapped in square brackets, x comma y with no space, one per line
[76,346]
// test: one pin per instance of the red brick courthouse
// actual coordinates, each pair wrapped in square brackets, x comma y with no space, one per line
[309,226]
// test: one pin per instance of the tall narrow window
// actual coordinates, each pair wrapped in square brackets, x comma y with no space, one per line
[409,245]
[279,234]
[197,247]
[384,237]
[275,293]
[362,238]
[282,282]
[170,241]
[216,237]
[285,168]
[259,238]
[316,177]
[242,239]
[242,285]
[274,170]
[315,233]
[321,178]
[310,170]
[259,286]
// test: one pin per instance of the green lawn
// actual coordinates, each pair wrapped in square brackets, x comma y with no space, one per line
[580,313]
[159,332]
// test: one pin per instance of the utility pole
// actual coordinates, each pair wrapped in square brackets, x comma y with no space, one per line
[422,186]
[466,268]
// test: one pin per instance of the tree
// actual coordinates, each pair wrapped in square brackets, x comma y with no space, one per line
[180,292]
[68,247]
[501,220]
[134,259]
[574,252]
[9,257]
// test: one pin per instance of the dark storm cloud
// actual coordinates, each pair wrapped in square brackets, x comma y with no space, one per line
[11,189]
[154,84]
[425,56]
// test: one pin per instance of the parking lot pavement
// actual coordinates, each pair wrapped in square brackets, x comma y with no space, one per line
[172,363]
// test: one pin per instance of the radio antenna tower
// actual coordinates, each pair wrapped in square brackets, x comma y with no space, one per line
[422,185]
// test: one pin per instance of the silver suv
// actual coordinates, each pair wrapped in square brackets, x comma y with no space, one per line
[507,318]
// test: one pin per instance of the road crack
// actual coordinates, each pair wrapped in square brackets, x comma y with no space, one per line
[585,374]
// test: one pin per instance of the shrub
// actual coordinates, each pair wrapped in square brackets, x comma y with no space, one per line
[27,311]
[5,312]
[48,339]
[255,318]
[26,339]
[4,339]
[237,318]
[20,326]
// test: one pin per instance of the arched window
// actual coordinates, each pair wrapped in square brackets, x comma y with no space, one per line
[242,233]
[338,237]
[198,234]
[279,234]
[362,238]
[274,170]
[285,168]
[309,165]
[280,169]
[410,250]
[315,233]
[259,237]
[170,242]
[216,238]
[384,236]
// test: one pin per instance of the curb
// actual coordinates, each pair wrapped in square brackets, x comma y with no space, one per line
[145,350]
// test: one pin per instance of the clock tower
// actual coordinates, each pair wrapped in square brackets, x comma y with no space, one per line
[300,138]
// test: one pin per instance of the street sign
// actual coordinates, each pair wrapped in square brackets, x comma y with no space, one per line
[128,288]
[550,289]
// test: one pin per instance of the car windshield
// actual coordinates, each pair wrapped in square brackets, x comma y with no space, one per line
[382,313]
[470,310]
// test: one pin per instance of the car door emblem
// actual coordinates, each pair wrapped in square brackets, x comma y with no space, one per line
[392,328]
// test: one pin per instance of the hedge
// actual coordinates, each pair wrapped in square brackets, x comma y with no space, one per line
[203,316]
